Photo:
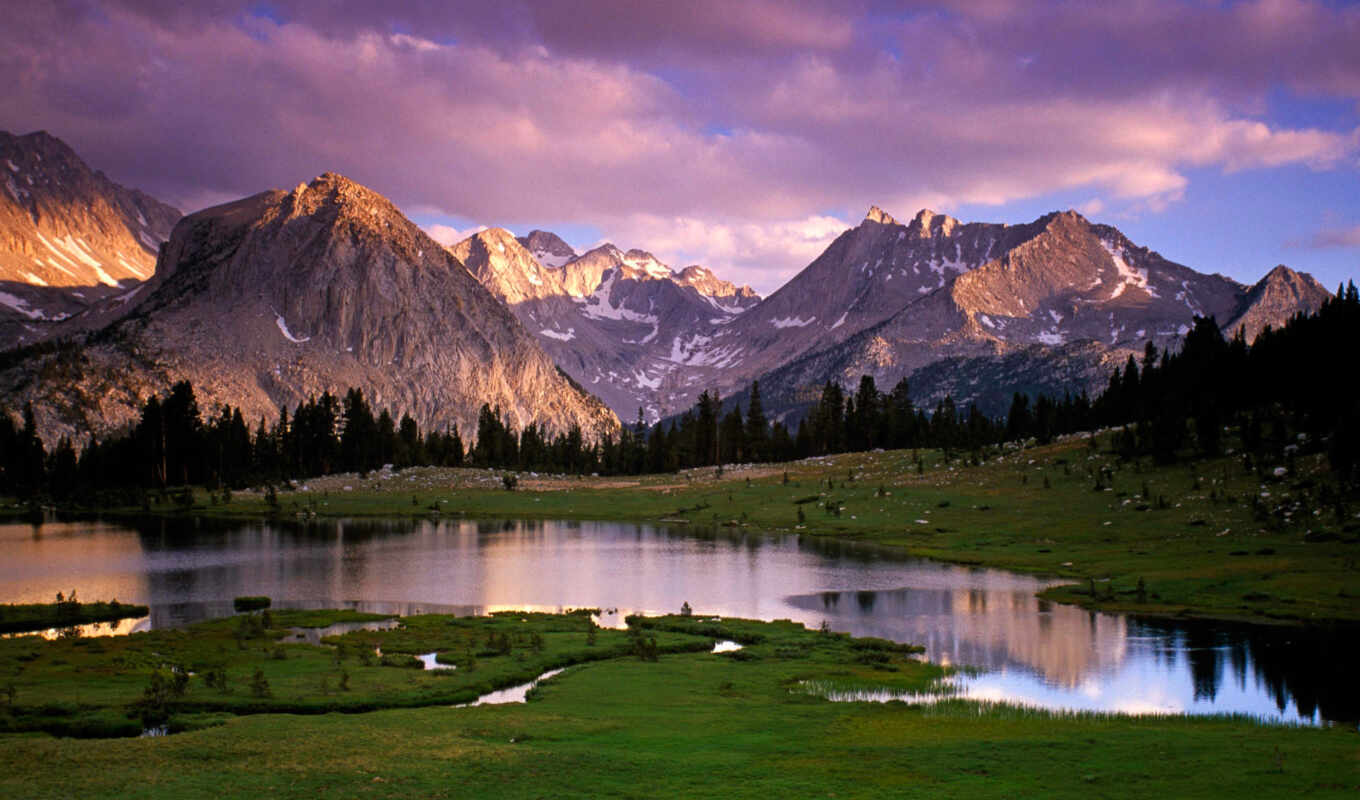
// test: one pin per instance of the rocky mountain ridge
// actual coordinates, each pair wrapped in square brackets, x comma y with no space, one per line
[282,295]
[1061,290]
[889,299]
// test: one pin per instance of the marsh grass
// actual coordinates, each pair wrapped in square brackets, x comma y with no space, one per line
[691,724]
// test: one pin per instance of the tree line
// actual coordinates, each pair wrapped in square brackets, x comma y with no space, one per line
[1166,405]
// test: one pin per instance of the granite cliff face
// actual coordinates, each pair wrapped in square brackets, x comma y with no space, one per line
[69,237]
[283,295]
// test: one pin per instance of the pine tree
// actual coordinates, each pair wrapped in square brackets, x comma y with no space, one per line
[757,427]
[359,436]
[706,430]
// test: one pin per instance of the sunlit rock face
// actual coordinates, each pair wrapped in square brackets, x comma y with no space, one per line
[284,295]
[70,238]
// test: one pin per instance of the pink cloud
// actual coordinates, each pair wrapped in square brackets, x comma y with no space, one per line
[722,138]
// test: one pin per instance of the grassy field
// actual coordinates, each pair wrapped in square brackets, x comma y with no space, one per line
[1209,539]
[689,724]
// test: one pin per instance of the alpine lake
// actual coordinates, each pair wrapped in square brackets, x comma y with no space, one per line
[1008,645]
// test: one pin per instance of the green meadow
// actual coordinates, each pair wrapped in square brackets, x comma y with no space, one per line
[651,712]
[644,713]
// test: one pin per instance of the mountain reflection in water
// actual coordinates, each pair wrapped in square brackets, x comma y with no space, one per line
[1048,655]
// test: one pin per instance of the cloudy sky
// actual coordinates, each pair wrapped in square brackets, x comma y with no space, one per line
[740,135]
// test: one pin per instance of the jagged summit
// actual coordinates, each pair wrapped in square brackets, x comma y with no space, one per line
[647,264]
[1282,273]
[502,264]
[880,216]
[706,283]
[927,224]
[333,191]
[548,248]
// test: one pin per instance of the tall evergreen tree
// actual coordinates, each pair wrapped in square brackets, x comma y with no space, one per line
[757,426]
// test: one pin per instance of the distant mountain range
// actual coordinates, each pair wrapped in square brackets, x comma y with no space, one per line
[285,294]
[1068,298]
[885,299]
[620,323]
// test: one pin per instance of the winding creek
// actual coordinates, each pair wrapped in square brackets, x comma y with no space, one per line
[1024,650]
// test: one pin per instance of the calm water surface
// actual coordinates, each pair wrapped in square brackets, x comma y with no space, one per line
[1032,652]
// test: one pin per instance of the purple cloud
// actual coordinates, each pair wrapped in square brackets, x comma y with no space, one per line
[1328,238]
[708,131]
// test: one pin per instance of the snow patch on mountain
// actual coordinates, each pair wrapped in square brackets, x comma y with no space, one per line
[649,383]
[287,334]
[647,263]
[552,260]
[21,305]
[720,306]
[1129,276]
[559,335]
[792,322]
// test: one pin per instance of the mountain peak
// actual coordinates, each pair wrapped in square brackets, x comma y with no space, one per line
[1067,217]
[647,263]
[702,280]
[880,216]
[1282,273]
[548,248]
[49,145]
[926,223]
[1301,284]
[1279,294]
